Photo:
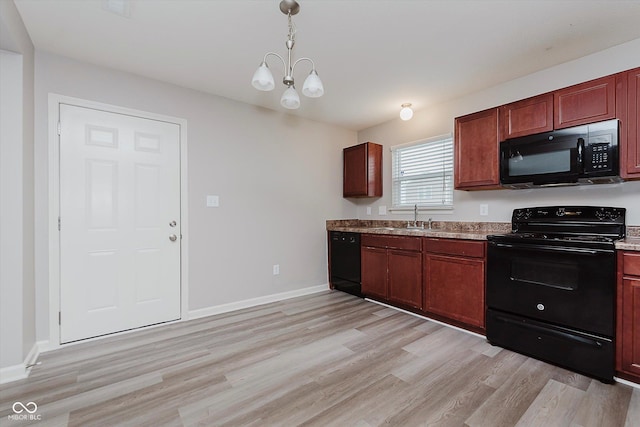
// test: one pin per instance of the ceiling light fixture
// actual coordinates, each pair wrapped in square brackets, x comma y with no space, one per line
[406,112]
[263,79]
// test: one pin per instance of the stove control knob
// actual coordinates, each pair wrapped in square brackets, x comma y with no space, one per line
[601,214]
[540,307]
[560,212]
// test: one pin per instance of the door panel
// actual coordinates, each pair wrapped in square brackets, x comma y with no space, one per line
[374,272]
[119,191]
[405,277]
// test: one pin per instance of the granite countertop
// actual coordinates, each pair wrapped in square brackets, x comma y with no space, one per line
[632,241]
[440,229]
[453,230]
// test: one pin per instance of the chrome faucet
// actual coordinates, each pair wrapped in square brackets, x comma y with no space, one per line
[415,220]
[430,223]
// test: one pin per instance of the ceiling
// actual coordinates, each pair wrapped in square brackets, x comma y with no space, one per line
[372,55]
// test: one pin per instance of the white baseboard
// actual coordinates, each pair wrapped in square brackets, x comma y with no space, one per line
[627,382]
[45,345]
[21,370]
[426,318]
[225,308]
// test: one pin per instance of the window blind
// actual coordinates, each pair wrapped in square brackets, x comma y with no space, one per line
[422,173]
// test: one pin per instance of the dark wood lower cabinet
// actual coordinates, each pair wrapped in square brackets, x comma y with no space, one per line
[454,280]
[440,278]
[405,277]
[392,269]
[454,288]
[374,272]
[628,316]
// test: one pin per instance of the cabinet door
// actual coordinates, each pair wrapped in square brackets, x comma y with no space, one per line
[588,102]
[374,272]
[362,170]
[630,162]
[454,288]
[476,151]
[405,277]
[355,171]
[527,117]
[630,315]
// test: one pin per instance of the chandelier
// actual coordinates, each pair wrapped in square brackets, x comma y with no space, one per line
[263,79]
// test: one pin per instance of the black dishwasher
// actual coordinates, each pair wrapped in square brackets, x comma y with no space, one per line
[345,261]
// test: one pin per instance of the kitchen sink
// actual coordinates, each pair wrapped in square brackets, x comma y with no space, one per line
[402,229]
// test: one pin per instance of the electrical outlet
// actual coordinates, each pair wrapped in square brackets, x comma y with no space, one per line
[382,210]
[276,269]
[484,209]
[368,210]
[213,201]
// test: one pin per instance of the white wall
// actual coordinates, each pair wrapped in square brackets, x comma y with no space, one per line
[17,285]
[279,178]
[10,208]
[439,120]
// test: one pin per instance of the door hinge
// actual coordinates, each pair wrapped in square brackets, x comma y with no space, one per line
[59,128]
[59,318]
[58,223]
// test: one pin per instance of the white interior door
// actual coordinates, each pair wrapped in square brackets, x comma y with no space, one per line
[119,222]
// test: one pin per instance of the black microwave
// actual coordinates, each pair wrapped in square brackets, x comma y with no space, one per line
[586,154]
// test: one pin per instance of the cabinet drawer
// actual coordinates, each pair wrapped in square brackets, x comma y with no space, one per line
[466,248]
[392,242]
[631,263]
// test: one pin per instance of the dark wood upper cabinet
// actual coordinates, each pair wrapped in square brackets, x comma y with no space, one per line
[588,102]
[478,135]
[362,169]
[476,151]
[629,104]
[526,117]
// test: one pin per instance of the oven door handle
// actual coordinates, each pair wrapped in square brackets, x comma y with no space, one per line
[559,334]
[564,249]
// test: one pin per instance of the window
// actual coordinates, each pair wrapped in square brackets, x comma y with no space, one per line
[422,173]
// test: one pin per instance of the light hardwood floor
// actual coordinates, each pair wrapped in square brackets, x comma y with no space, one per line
[328,359]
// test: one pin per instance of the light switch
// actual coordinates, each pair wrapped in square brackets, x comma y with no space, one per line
[368,210]
[484,209]
[213,201]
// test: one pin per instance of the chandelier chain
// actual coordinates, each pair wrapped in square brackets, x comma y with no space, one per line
[292,28]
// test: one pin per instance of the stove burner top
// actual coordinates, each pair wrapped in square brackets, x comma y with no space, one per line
[566,226]
[577,238]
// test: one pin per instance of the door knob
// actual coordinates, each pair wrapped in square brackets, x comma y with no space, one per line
[173,237]
[172,224]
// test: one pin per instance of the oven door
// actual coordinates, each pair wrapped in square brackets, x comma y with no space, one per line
[568,286]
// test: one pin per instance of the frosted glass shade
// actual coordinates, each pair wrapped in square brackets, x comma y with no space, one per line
[313,85]
[290,99]
[263,79]
[406,113]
